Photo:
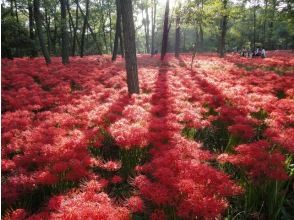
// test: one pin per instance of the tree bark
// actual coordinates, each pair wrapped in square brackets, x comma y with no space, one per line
[64,50]
[178,36]
[165,31]
[84,28]
[264,23]
[147,30]
[103,25]
[110,26]
[254,27]
[31,29]
[74,26]
[121,41]
[37,16]
[117,30]
[200,37]
[223,31]
[90,29]
[130,46]
[47,27]
[153,14]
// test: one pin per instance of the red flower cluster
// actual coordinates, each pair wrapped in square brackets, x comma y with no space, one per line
[259,160]
[53,115]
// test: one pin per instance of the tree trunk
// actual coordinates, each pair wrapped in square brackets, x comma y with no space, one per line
[200,37]
[147,30]
[184,40]
[55,38]
[16,12]
[264,23]
[74,26]
[110,26]
[117,30]
[271,26]
[223,31]
[165,31]
[31,29]
[11,8]
[130,46]
[84,28]
[75,33]
[153,14]
[178,36]
[121,41]
[47,27]
[38,21]
[64,51]
[103,25]
[90,29]
[254,27]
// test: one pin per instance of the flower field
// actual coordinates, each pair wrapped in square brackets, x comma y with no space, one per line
[214,142]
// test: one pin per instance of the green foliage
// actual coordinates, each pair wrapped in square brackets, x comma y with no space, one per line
[14,38]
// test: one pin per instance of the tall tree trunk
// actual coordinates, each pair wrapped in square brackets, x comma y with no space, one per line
[165,31]
[16,12]
[264,23]
[153,14]
[38,22]
[184,40]
[75,33]
[90,29]
[201,29]
[254,27]
[117,30]
[74,26]
[11,7]
[64,50]
[178,36]
[200,37]
[47,27]
[31,29]
[110,26]
[17,52]
[55,38]
[147,30]
[121,41]
[103,25]
[271,25]
[130,46]
[145,27]
[84,28]
[145,23]
[223,31]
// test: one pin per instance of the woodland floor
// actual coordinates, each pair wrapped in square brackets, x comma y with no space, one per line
[214,141]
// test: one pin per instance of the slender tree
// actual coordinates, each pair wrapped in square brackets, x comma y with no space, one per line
[38,22]
[110,24]
[178,35]
[153,15]
[117,31]
[64,50]
[84,28]
[74,27]
[147,28]
[33,52]
[264,22]
[130,46]
[223,29]
[165,31]
[47,27]
[90,29]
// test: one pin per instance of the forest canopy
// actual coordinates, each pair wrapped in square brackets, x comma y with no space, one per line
[250,24]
